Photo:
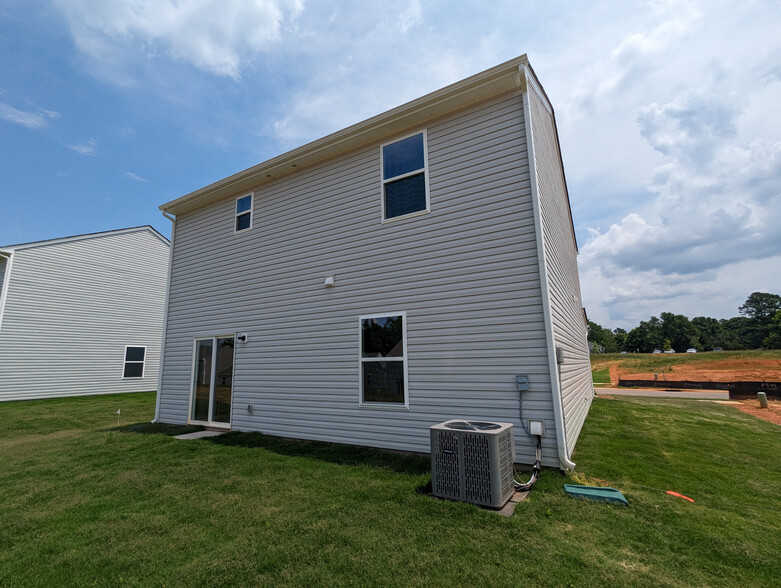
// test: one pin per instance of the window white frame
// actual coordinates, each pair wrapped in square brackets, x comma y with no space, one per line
[403,359]
[424,169]
[125,362]
[210,422]
[250,212]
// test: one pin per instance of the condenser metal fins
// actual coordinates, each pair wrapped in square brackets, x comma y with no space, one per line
[472,461]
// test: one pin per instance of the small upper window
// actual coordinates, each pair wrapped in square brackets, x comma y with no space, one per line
[404,177]
[244,213]
[134,362]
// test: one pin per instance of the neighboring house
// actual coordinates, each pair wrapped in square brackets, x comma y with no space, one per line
[82,315]
[595,347]
[387,277]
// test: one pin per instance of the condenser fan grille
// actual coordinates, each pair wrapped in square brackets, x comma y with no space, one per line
[473,461]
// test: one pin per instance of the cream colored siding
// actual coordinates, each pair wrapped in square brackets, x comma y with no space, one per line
[466,275]
[72,307]
[569,327]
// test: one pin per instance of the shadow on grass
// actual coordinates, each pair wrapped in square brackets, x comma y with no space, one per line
[403,463]
[147,428]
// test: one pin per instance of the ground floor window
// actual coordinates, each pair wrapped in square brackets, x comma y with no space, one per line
[135,357]
[212,380]
[383,359]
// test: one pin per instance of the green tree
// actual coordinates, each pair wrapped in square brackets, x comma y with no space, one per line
[602,336]
[760,306]
[773,340]
[707,331]
[619,336]
[759,309]
[678,330]
[736,333]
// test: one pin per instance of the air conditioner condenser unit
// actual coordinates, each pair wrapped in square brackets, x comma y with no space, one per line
[473,461]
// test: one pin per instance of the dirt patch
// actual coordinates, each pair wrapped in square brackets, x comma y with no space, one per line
[614,375]
[772,413]
[736,370]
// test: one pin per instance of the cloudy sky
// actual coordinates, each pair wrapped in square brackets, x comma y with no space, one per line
[668,112]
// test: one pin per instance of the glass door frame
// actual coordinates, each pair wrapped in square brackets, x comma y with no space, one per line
[212,382]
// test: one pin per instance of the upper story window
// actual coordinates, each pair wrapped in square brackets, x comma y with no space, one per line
[244,213]
[404,182]
[134,362]
[383,359]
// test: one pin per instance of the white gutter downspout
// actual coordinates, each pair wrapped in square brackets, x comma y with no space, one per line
[558,409]
[6,280]
[165,316]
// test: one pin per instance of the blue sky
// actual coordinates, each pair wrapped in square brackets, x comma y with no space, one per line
[668,115]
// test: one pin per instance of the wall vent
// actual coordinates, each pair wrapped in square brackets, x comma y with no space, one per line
[472,461]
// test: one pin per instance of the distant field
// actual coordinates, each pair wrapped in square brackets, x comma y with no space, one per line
[712,366]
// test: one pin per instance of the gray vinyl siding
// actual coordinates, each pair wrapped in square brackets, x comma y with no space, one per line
[466,275]
[568,322]
[71,308]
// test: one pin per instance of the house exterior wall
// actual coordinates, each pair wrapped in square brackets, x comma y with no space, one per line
[466,275]
[73,305]
[568,323]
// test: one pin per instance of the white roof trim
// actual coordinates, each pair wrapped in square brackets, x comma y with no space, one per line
[478,88]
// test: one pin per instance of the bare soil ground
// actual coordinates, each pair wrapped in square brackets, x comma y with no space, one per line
[772,413]
[732,370]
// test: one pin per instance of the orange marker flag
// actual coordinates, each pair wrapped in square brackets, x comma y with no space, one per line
[671,493]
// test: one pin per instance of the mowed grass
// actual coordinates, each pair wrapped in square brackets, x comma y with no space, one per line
[639,362]
[601,376]
[85,503]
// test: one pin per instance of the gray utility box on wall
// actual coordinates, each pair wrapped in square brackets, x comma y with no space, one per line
[473,461]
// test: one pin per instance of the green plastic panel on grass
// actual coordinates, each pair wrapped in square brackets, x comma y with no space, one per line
[595,493]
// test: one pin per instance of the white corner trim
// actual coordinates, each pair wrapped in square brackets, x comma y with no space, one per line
[558,409]
[165,317]
[6,282]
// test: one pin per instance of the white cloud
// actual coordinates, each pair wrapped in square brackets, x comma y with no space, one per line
[411,16]
[670,134]
[625,298]
[218,36]
[713,210]
[85,148]
[373,59]
[32,119]
[136,177]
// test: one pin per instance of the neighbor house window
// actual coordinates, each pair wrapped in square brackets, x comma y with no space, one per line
[404,184]
[134,362]
[383,359]
[244,213]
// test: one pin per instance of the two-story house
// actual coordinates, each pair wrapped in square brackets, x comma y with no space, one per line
[397,273]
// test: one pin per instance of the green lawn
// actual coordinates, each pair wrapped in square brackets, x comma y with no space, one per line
[601,376]
[82,503]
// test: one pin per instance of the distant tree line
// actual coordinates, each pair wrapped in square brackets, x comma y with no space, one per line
[757,326]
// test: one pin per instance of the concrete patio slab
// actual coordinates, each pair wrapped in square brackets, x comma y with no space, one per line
[200,435]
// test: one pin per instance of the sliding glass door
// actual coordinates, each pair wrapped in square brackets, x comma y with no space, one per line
[212,380]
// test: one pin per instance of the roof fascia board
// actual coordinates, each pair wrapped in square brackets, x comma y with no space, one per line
[478,88]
